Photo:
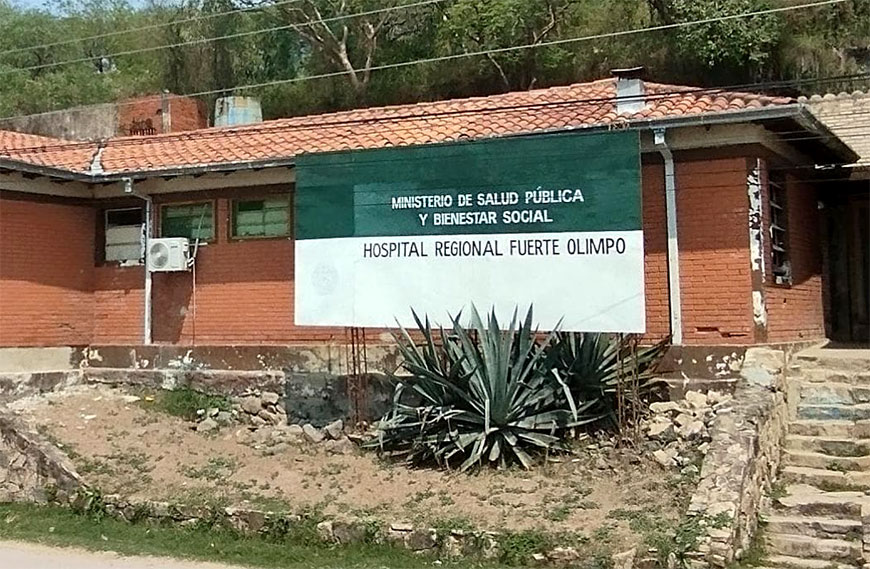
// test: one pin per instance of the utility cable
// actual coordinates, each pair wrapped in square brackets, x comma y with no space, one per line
[312,122]
[198,41]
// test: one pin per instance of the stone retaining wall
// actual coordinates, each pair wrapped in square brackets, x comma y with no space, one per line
[442,543]
[31,468]
[742,461]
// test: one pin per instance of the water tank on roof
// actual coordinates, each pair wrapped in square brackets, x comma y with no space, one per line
[234,111]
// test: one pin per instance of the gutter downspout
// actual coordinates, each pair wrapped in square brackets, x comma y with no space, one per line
[674,302]
[146,316]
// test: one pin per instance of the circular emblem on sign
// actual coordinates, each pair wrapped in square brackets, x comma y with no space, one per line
[324,278]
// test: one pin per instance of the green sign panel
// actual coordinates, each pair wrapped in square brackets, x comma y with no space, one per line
[537,184]
[551,221]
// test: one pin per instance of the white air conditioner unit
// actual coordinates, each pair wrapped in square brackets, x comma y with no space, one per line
[170,254]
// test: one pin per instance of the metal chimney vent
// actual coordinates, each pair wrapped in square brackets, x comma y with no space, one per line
[630,90]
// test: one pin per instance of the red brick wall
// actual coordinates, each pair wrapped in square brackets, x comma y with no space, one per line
[119,302]
[713,237]
[795,312]
[185,113]
[655,246]
[713,234]
[46,272]
[51,294]
[244,294]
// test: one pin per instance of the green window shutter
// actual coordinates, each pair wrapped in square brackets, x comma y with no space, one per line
[194,221]
[261,218]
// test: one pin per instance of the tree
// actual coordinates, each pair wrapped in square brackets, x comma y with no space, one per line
[739,49]
[347,33]
[486,25]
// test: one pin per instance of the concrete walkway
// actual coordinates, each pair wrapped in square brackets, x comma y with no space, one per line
[14,555]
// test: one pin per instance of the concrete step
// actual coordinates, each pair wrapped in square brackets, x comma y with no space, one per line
[833,393]
[832,412]
[834,429]
[806,501]
[789,562]
[856,361]
[814,375]
[826,480]
[833,446]
[814,527]
[848,551]
[826,461]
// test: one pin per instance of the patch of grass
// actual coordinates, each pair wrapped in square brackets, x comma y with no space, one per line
[55,526]
[217,468]
[97,466]
[451,524]
[778,490]
[755,553]
[517,547]
[183,402]
[666,536]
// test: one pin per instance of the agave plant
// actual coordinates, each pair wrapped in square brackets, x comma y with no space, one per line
[481,395]
[595,366]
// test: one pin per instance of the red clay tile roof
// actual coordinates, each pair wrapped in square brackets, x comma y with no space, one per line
[573,106]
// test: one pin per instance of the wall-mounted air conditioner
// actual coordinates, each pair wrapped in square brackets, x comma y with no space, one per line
[169,254]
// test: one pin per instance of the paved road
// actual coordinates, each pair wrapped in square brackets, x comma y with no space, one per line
[15,555]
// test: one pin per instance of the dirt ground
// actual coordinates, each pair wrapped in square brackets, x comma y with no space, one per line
[120,446]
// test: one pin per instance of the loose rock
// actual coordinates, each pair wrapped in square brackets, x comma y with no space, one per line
[251,405]
[312,433]
[206,425]
[270,398]
[334,430]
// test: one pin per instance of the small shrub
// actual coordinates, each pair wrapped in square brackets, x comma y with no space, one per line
[484,395]
[185,402]
[480,396]
[517,547]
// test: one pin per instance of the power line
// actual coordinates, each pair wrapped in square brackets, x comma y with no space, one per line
[71,145]
[465,55]
[145,28]
[198,41]
[313,123]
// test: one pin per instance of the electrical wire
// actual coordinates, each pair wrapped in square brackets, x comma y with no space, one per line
[465,55]
[313,123]
[198,41]
[146,28]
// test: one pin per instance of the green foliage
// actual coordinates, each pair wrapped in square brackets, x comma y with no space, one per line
[482,395]
[487,395]
[733,46]
[287,550]
[826,40]
[667,537]
[184,402]
[595,365]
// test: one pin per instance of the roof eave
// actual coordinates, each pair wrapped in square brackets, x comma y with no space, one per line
[840,152]
[15,165]
[198,169]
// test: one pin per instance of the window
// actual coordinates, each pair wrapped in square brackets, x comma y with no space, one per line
[124,235]
[261,218]
[194,221]
[779,231]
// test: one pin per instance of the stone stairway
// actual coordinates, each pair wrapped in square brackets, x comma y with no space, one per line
[819,522]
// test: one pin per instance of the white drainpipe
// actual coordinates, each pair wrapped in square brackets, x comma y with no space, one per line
[673,247]
[146,316]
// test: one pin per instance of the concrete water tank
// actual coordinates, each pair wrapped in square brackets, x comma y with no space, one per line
[235,111]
